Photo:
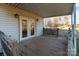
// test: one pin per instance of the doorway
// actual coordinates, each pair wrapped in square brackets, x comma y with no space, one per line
[33,27]
[27,28]
[24,28]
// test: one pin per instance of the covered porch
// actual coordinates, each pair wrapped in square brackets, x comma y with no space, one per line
[31,40]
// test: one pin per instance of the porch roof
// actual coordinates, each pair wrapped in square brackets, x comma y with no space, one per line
[46,9]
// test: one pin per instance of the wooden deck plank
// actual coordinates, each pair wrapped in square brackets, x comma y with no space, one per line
[46,46]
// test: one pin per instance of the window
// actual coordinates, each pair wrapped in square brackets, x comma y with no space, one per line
[24,28]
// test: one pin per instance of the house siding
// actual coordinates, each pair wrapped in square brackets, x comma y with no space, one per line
[10,25]
[21,12]
[40,27]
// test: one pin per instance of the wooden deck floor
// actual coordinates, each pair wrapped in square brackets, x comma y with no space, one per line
[45,46]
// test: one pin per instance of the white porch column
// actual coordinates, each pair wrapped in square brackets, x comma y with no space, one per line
[74,31]
[39,27]
[72,41]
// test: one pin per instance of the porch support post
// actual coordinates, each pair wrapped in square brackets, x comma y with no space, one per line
[74,30]
[73,33]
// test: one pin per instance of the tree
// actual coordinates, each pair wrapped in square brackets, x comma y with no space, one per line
[55,21]
[49,24]
[66,21]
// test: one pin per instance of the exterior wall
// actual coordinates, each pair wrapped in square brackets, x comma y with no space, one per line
[40,26]
[13,10]
[10,25]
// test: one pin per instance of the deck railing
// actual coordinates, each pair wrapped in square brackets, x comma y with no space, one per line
[51,31]
[70,43]
[5,44]
[11,47]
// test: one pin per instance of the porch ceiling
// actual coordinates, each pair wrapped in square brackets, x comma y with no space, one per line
[46,9]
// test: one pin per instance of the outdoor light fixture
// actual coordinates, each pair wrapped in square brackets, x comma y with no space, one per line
[16,15]
[37,20]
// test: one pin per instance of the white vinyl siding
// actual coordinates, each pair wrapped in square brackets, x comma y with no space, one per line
[39,27]
[8,24]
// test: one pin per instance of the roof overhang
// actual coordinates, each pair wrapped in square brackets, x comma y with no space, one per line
[46,9]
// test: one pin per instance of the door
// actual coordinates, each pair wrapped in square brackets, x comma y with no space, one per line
[33,27]
[27,28]
[23,28]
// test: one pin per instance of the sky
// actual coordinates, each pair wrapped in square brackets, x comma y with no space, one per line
[77,13]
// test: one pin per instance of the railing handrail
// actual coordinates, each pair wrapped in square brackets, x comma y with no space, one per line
[5,43]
